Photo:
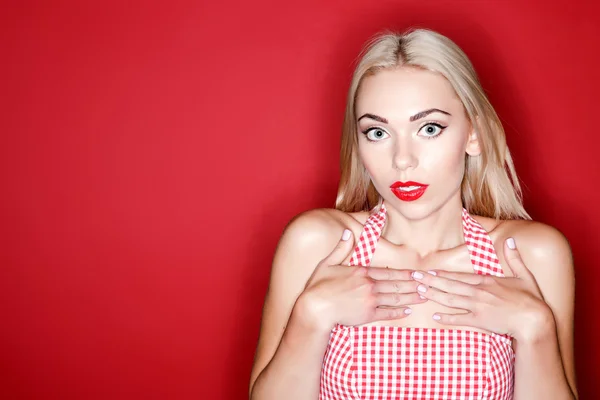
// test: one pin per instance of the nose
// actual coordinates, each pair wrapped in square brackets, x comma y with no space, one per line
[405,156]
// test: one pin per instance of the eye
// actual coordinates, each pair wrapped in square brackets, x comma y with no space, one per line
[375,134]
[432,129]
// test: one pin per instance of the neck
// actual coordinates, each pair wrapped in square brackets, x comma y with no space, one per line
[440,230]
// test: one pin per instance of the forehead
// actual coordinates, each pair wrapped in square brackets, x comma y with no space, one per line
[402,92]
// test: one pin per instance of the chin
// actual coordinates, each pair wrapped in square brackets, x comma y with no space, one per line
[412,210]
[422,207]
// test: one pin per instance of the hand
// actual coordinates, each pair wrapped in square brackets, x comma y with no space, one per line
[347,295]
[513,306]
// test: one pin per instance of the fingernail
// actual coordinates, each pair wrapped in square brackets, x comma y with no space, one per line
[422,288]
[417,275]
[422,297]
[346,234]
[511,243]
[432,273]
[407,311]
[436,317]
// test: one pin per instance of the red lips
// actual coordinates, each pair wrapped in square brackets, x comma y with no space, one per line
[408,195]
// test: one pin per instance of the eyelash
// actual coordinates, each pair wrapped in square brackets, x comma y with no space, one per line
[366,131]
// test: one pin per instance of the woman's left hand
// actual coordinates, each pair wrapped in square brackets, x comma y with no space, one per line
[513,306]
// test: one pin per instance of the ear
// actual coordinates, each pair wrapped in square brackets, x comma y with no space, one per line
[473,148]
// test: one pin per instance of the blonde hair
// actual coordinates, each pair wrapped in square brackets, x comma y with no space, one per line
[490,186]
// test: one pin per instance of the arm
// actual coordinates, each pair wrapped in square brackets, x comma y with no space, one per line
[318,290]
[289,353]
[535,306]
[294,371]
[546,355]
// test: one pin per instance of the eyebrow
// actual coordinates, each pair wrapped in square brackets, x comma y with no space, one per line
[415,117]
[423,114]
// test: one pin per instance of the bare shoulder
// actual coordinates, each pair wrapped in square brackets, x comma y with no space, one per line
[321,226]
[308,238]
[536,240]
[315,226]
[311,225]
[542,247]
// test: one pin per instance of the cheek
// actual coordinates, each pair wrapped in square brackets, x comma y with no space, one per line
[366,158]
[375,161]
[447,162]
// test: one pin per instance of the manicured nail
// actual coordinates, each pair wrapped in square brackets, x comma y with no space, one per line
[346,234]
[407,311]
[432,273]
[436,317]
[511,243]
[422,288]
[422,297]
[417,275]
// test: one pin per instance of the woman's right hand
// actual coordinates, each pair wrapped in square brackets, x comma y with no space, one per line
[358,295]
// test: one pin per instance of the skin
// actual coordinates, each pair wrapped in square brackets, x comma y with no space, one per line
[312,288]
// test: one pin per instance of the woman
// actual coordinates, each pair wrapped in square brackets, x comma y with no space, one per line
[464,296]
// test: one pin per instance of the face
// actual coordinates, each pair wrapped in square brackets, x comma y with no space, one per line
[413,137]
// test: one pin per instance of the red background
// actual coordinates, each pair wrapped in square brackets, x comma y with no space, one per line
[153,153]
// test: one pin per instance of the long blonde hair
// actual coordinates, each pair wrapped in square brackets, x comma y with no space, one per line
[490,186]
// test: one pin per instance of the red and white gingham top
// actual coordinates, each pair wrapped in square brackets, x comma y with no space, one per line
[391,362]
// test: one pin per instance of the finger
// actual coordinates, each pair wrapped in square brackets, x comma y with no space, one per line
[445,284]
[389,274]
[514,260]
[382,314]
[395,286]
[398,300]
[446,299]
[466,277]
[343,248]
[465,319]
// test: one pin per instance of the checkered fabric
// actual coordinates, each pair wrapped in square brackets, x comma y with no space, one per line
[367,243]
[483,256]
[391,362]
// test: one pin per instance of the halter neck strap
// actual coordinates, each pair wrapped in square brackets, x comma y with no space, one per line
[481,248]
